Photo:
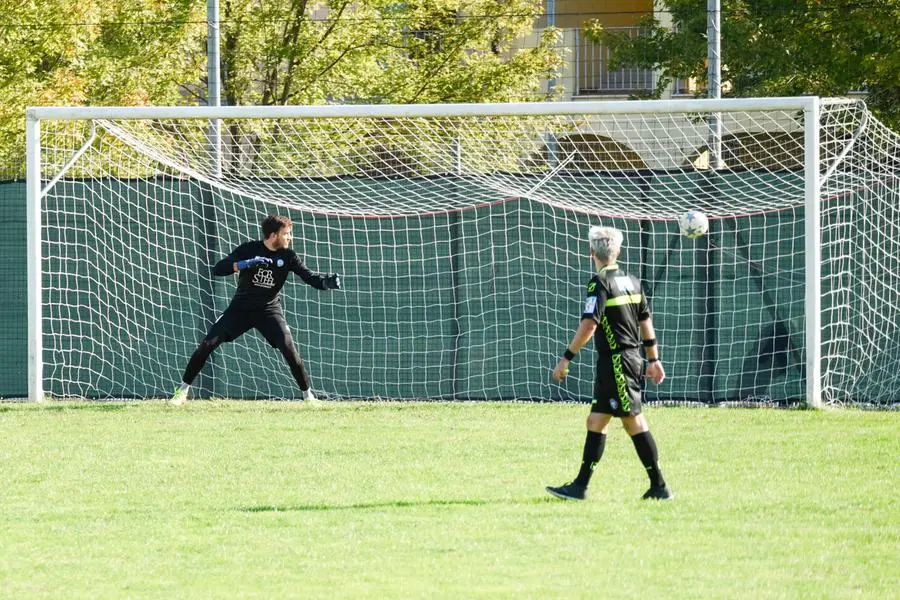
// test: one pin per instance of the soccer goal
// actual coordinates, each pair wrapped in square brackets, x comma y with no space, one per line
[460,232]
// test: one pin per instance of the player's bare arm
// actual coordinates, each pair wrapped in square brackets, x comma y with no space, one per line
[582,336]
[655,371]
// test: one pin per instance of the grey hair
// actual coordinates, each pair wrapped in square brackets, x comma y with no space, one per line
[606,242]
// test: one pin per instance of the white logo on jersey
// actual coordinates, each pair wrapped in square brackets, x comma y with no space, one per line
[264,278]
[613,403]
[624,284]
[279,262]
[590,305]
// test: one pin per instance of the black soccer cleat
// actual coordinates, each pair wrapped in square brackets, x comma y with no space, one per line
[569,491]
[658,493]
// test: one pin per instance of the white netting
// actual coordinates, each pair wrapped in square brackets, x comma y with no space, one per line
[861,268]
[462,245]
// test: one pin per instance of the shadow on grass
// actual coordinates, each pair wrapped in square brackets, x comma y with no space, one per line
[386,504]
[93,406]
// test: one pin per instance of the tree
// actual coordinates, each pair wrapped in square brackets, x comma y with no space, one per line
[134,52]
[106,52]
[31,52]
[373,51]
[146,53]
[419,51]
[777,48]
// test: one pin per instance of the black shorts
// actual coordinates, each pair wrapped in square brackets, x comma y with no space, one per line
[617,384]
[235,322]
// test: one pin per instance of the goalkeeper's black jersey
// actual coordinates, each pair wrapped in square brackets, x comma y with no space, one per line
[259,286]
[616,301]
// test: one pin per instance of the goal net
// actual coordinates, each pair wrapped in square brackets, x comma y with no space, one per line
[461,236]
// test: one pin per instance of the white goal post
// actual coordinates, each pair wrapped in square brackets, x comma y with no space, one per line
[461,233]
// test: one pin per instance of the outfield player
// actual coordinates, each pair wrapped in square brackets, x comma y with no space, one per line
[615,302]
[262,268]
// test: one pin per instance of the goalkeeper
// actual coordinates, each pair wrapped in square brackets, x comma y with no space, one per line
[262,268]
[616,302]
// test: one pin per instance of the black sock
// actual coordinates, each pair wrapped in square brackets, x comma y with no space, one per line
[594,444]
[646,451]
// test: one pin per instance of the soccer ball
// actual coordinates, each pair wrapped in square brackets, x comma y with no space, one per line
[693,224]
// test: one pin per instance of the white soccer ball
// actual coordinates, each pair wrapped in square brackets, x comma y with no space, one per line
[693,224]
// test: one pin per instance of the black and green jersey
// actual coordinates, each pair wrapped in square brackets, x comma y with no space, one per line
[616,301]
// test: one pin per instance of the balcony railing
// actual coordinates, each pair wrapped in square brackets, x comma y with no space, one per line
[593,77]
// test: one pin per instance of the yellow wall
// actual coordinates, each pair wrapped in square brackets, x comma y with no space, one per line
[611,13]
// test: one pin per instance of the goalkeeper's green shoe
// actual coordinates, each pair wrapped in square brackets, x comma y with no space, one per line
[179,397]
[569,491]
[658,493]
[309,399]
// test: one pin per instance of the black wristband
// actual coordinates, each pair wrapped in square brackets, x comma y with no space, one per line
[568,354]
[649,343]
[652,360]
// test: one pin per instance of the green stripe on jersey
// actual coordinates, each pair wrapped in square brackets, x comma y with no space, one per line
[629,299]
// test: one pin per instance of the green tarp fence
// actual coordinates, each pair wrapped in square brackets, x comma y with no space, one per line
[472,304]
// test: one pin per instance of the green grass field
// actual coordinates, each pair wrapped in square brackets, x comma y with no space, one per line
[274,500]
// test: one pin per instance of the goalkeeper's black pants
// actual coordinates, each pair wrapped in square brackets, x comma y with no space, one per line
[233,323]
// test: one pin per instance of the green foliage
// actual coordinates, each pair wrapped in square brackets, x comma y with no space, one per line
[106,52]
[422,51]
[138,52]
[776,48]
[145,53]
